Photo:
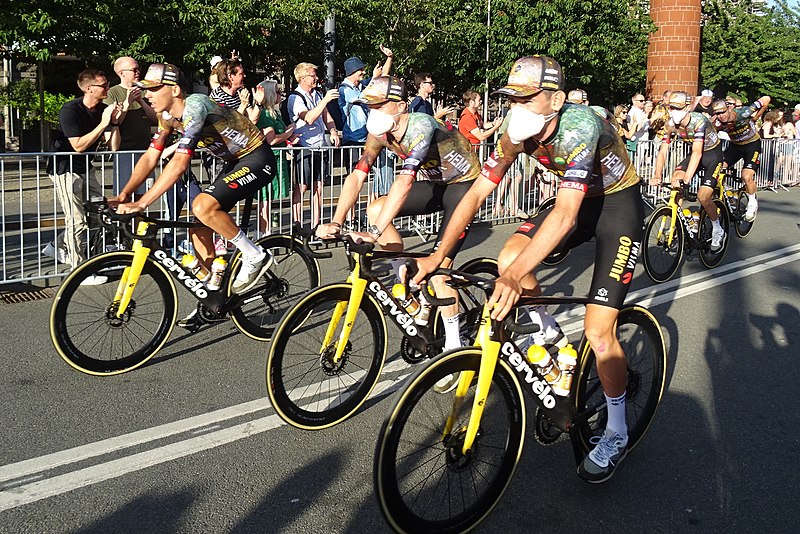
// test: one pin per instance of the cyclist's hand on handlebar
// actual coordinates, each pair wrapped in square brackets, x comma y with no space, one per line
[324,231]
[506,293]
[363,237]
[655,180]
[113,202]
[131,207]
[425,266]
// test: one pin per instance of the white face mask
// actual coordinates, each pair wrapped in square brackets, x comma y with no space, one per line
[677,115]
[524,123]
[379,122]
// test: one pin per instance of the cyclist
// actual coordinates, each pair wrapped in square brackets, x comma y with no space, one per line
[745,143]
[694,128]
[598,197]
[228,135]
[438,167]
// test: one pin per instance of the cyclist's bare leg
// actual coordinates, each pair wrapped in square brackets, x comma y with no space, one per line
[443,290]
[600,328]
[749,175]
[705,196]
[203,242]
[207,209]
[513,247]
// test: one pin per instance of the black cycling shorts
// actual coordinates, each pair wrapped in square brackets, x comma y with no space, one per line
[617,221]
[426,197]
[711,163]
[244,179]
[750,153]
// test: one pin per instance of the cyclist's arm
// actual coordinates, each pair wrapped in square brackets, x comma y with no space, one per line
[554,228]
[169,176]
[146,164]
[694,160]
[661,159]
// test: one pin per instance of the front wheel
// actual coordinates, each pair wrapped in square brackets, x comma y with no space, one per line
[424,481]
[742,226]
[308,386]
[292,274]
[663,245]
[641,339]
[85,328]
[708,257]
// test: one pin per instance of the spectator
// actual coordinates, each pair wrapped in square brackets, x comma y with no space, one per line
[213,82]
[796,119]
[267,95]
[135,121]
[470,124]
[82,123]
[231,92]
[704,101]
[355,114]
[775,127]
[638,118]
[578,96]
[307,111]
[422,102]
[624,126]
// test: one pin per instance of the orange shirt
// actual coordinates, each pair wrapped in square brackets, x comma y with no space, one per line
[468,122]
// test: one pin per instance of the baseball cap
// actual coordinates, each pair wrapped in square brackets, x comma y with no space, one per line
[576,96]
[707,92]
[160,74]
[383,89]
[531,74]
[352,64]
[679,100]
[719,106]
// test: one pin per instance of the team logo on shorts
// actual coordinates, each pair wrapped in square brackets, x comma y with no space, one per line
[526,227]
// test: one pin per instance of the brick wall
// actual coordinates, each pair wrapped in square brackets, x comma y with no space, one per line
[673,55]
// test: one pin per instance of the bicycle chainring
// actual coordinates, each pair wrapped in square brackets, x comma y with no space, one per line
[545,431]
[410,354]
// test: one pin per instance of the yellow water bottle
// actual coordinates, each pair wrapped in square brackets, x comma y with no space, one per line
[408,302]
[194,265]
[548,369]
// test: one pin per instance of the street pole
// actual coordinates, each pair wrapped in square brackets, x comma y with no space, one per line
[486,84]
[329,53]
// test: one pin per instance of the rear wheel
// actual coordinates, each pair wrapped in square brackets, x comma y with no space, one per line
[643,343]
[85,328]
[424,481]
[308,387]
[662,256]
[708,257]
[742,226]
[292,274]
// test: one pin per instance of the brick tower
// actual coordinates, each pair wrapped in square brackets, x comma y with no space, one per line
[673,55]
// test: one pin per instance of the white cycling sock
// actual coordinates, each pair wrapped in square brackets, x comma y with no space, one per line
[548,324]
[616,414]
[716,224]
[249,249]
[452,339]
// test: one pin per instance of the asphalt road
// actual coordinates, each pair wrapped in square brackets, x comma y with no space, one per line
[190,443]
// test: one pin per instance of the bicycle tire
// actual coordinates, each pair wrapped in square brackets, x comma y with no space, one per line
[305,387]
[554,258]
[421,477]
[661,261]
[643,342]
[707,257]
[292,274]
[470,301]
[84,329]
[742,226]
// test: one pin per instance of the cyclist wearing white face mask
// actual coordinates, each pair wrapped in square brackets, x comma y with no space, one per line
[598,197]
[696,129]
[438,167]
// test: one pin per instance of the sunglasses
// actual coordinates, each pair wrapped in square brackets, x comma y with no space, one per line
[103,85]
[637,100]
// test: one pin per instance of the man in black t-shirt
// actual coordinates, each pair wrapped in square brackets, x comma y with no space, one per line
[422,102]
[81,125]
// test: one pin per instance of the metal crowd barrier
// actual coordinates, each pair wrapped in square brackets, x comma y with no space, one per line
[31,216]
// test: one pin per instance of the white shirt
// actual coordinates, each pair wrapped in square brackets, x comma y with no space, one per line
[312,135]
[638,116]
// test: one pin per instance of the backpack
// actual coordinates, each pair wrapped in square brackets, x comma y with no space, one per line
[285,115]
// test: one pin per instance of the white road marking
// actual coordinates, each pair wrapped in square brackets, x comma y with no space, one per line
[24,483]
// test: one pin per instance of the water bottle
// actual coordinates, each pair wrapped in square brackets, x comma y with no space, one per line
[424,314]
[687,213]
[217,270]
[567,360]
[548,369]
[696,221]
[408,302]
[196,268]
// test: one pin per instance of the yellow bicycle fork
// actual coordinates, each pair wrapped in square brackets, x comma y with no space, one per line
[490,352]
[130,276]
[673,205]
[347,308]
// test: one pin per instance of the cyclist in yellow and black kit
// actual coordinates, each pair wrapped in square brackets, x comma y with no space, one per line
[598,197]
[745,143]
[228,135]
[693,128]
[438,167]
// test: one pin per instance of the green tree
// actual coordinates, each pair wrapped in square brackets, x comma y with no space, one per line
[23,96]
[750,55]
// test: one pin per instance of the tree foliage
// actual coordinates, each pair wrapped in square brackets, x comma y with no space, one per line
[750,55]
[23,96]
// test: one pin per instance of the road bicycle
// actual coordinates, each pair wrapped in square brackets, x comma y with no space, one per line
[443,461]
[669,234]
[735,202]
[330,348]
[119,325]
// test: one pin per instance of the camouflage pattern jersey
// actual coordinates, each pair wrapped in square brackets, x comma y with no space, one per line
[742,130]
[585,152]
[434,150]
[699,128]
